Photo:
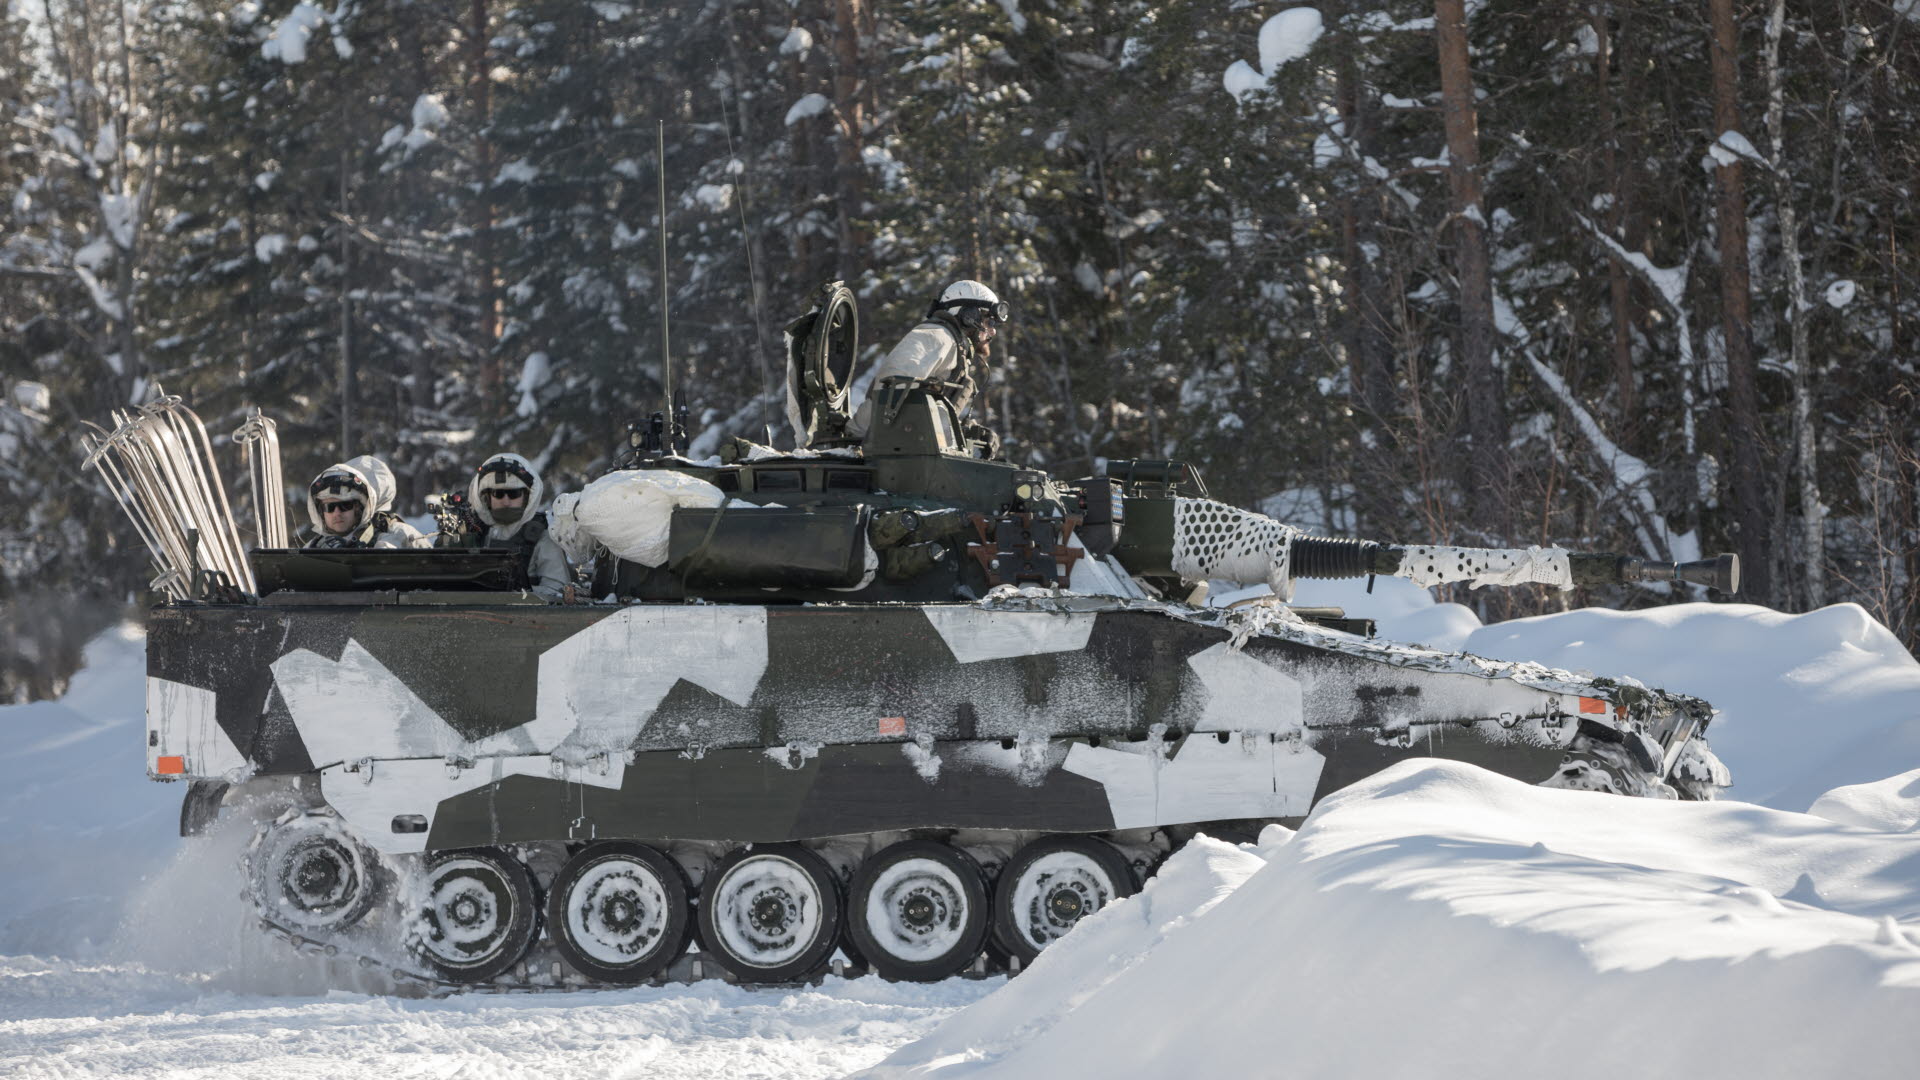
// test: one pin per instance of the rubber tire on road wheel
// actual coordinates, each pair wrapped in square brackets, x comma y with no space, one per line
[962,886]
[1081,854]
[675,917]
[499,879]
[734,882]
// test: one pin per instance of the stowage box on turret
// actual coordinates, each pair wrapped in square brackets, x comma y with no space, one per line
[888,700]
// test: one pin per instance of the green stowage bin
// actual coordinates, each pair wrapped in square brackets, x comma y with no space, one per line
[823,547]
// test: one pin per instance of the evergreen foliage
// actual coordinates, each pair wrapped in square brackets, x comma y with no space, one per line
[433,228]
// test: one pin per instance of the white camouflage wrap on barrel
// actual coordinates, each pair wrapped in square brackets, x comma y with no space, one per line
[1427,565]
[1214,540]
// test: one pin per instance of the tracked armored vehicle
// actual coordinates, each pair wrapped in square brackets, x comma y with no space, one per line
[889,700]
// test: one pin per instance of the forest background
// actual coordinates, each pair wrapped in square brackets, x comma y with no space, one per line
[1632,275]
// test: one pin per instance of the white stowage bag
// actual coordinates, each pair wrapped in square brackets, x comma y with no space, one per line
[630,513]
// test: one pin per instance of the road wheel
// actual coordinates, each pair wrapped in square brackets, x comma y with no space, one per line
[770,913]
[1053,884]
[918,911]
[619,911]
[475,914]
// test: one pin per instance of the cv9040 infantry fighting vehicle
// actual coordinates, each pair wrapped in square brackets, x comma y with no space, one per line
[889,697]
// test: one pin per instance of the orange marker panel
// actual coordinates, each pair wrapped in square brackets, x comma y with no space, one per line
[1592,704]
[170,765]
[893,725]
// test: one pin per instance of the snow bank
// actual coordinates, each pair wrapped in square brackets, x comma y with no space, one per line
[1807,702]
[1076,969]
[1440,920]
[1890,805]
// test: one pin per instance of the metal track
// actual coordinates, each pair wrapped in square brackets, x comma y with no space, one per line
[540,971]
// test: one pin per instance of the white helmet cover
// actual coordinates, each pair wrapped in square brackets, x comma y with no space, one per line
[365,479]
[509,471]
[972,294]
[337,484]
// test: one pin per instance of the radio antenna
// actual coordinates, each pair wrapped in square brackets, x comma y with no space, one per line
[753,271]
[666,352]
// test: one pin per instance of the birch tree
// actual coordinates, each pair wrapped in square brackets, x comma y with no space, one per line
[1806,460]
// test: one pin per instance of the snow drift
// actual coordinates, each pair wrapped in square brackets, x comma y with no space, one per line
[1807,702]
[1440,920]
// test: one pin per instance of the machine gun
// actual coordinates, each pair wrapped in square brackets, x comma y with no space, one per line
[455,516]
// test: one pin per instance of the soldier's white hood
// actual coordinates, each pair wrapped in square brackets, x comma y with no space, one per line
[534,496]
[370,471]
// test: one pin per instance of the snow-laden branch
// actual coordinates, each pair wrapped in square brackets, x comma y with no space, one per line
[103,300]
[1630,474]
[1332,144]
[1670,284]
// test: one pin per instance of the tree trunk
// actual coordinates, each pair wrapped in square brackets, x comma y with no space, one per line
[1806,459]
[850,107]
[480,99]
[1486,405]
[346,312]
[1752,517]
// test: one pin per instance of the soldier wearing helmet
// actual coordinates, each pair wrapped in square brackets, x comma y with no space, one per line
[948,350]
[351,506]
[505,493]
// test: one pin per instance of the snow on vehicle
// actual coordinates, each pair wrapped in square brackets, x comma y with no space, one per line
[892,699]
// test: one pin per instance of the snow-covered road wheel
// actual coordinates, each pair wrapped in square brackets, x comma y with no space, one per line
[1053,884]
[306,871]
[619,911]
[918,911]
[476,914]
[770,913]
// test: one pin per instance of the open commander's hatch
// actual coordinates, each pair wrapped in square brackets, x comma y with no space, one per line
[337,569]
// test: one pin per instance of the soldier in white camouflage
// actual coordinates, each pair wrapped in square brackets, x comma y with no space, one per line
[506,492]
[351,506]
[949,350]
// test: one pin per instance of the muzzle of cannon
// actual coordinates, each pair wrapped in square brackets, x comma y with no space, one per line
[1721,572]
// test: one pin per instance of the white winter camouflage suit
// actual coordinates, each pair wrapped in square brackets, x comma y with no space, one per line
[380,484]
[929,351]
[547,567]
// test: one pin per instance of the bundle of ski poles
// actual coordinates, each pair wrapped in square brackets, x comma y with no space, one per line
[159,464]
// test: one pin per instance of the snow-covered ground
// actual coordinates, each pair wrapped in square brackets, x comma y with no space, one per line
[1435,920]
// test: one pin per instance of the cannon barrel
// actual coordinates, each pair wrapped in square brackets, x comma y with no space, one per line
[1332,557]
[1197,539]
